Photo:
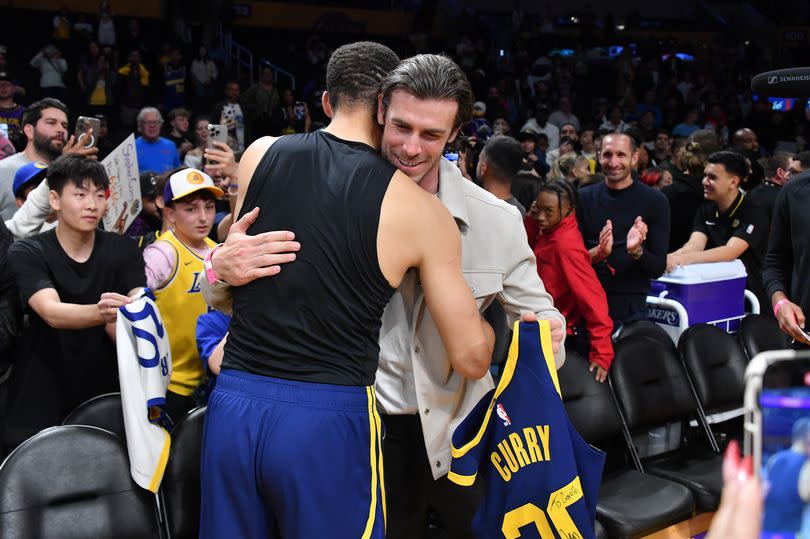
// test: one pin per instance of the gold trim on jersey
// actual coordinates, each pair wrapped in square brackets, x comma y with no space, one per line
[157,476]
[506,377]
[375,461]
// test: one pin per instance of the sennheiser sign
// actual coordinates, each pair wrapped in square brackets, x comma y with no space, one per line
[788,78]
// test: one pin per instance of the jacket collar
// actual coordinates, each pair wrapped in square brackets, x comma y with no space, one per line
[451,191]
[567,224]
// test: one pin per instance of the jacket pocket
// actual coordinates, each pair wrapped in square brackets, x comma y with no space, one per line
[484,285]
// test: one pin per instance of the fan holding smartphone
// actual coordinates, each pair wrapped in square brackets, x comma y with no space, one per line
[86,131]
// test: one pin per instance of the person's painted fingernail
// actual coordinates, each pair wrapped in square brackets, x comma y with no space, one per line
[746,469]
[732,453]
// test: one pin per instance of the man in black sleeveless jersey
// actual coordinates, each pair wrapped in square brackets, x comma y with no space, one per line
[292,436]
[422,403]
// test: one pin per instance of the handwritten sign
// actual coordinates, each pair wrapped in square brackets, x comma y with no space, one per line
[124,202]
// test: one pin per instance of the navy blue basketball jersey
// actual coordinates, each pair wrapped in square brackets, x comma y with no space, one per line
[541,478]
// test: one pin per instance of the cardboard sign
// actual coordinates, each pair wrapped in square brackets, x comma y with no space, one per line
[124,201]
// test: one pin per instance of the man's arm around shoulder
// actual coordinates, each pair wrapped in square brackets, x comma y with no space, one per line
[242,258]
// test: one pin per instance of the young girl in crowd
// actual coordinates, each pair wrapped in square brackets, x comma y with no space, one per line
[565,267]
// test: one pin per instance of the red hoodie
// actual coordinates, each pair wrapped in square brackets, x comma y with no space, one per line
[565,267]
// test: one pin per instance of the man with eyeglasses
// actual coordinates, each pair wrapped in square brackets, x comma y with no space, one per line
[155,153]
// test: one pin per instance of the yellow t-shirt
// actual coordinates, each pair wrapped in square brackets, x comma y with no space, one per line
[99,95]
[181,302]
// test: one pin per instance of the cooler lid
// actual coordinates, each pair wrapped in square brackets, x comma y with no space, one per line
[705,273]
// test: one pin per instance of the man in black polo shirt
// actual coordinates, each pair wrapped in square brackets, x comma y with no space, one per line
[728,225]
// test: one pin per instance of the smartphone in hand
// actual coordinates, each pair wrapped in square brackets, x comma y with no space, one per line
[777,435]
[83,134]
[216,133]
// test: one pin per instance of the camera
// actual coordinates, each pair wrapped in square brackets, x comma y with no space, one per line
[216,131]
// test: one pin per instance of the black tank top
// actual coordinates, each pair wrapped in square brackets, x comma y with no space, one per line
[319,319]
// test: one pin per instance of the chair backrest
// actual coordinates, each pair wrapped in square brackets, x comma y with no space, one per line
[73,481]
[716,365]
[104,411]
[589,404]
[649,382]
[758,333]
[181,480]
[645,328]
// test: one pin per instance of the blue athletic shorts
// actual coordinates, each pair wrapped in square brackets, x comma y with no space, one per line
[291,459]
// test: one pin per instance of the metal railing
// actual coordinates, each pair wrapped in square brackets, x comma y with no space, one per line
[263,62]
[242,58]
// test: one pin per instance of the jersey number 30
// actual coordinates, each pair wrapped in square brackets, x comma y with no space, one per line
[557,510]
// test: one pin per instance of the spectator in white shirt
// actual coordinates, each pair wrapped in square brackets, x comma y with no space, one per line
[540,124]
[563,114]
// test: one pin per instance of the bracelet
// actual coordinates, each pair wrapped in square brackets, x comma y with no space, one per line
[778,306]
[208,265]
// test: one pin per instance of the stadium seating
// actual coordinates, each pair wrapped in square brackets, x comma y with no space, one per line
[181,480]
[715,365]
[652,390]
[647,329]
[600,531]
[73,481]
[103,411]
[758,333]
[631,503]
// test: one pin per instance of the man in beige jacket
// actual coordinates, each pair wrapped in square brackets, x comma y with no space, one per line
[422,399]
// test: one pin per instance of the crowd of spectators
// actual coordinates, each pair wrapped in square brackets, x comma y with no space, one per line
[625,165]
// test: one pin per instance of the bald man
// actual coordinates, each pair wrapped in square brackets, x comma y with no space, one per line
[745,141]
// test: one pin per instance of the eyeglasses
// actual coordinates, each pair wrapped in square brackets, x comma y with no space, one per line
[152,122]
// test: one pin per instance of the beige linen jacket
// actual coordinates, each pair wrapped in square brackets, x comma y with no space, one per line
[498,265]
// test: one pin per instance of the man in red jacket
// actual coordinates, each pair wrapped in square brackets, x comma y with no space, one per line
[565,268]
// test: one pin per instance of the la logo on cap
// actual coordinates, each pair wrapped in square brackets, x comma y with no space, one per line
[195,178]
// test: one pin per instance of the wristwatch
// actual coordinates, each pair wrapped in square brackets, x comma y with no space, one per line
[210,274]
[637,254]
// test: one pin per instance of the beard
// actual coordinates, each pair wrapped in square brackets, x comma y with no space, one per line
[45,146]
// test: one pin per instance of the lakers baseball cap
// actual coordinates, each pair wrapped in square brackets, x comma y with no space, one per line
[30,173]
[187,181]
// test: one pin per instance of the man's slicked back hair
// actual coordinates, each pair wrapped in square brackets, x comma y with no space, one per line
[355,71]
[432,76]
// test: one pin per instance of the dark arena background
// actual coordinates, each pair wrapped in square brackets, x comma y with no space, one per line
[606,162]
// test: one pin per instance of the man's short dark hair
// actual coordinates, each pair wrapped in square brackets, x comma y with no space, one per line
[178,112]
[431,76]
[355,71]
[76,169]
[630,138]
[804,159]
[34,112]
[734,163]
[775,162]
[504,155]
